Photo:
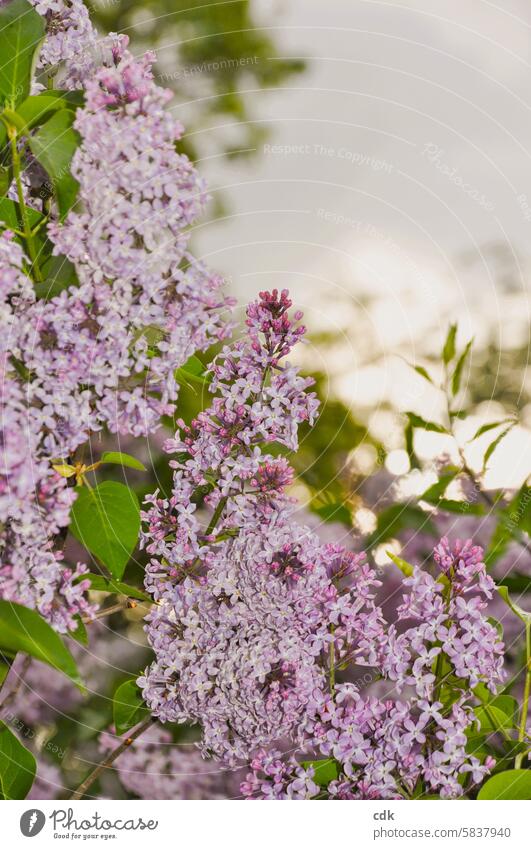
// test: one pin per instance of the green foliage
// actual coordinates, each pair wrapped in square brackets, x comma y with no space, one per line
[54,145]
[24,630]
[512,784]
[420,423]
[448,352]
[325,771]
[128,706]
[397,518]
[17,766]
[101,584]
[106,520]
[21,31]
[118,458]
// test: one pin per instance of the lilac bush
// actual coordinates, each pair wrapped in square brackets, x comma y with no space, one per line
[270,654]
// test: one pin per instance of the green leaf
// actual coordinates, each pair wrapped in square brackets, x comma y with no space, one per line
[17,766]
[422,424]
[80,634]
[435,492]
[128,706]
[21,31]
[458,372]
[517,610]
[106,520]
[461,507]
[193,371]
[59,273]
[406,568]
[448,352]
[118,458]
[325,771]
[512,784]
[486,427]
[22,629]
[9,213]
[101,584]
[54,145]
[494,444]
[395,519]
[498,714]
[423,373]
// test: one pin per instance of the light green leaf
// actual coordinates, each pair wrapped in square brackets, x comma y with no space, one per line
[448,352]
[512,784]
[325,771]
[118,458]
[22,629]
[522,614]
[106,520]
[423,373]
[490,426]
[406,568]
[493,445]
[9,214]
[128,706]
[21,31]
[17,766]
[458,371]
[435,492]
[192,372]
[54,145]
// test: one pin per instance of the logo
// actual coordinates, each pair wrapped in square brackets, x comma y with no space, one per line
[32,822]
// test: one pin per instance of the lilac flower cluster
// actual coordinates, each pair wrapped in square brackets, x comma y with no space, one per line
[450,625]
[69,30]
[157,768]
[251,607]
[386,747]
[104,353]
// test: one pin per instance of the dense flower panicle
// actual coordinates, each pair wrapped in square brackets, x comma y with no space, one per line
[103,353]
[157,768]
[35,576]
[451,623]
[380,750]
[69,30]
[243,650]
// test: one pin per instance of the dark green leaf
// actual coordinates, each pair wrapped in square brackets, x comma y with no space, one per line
[22,629]
[461,507]
[128,707]
[106,520]
[448,352]
[21,31]
[512,784]
[118,458]
[80,634]
[54,145]
[101,584]
[422,424]
[59,273]
[395,519]
[17,766]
